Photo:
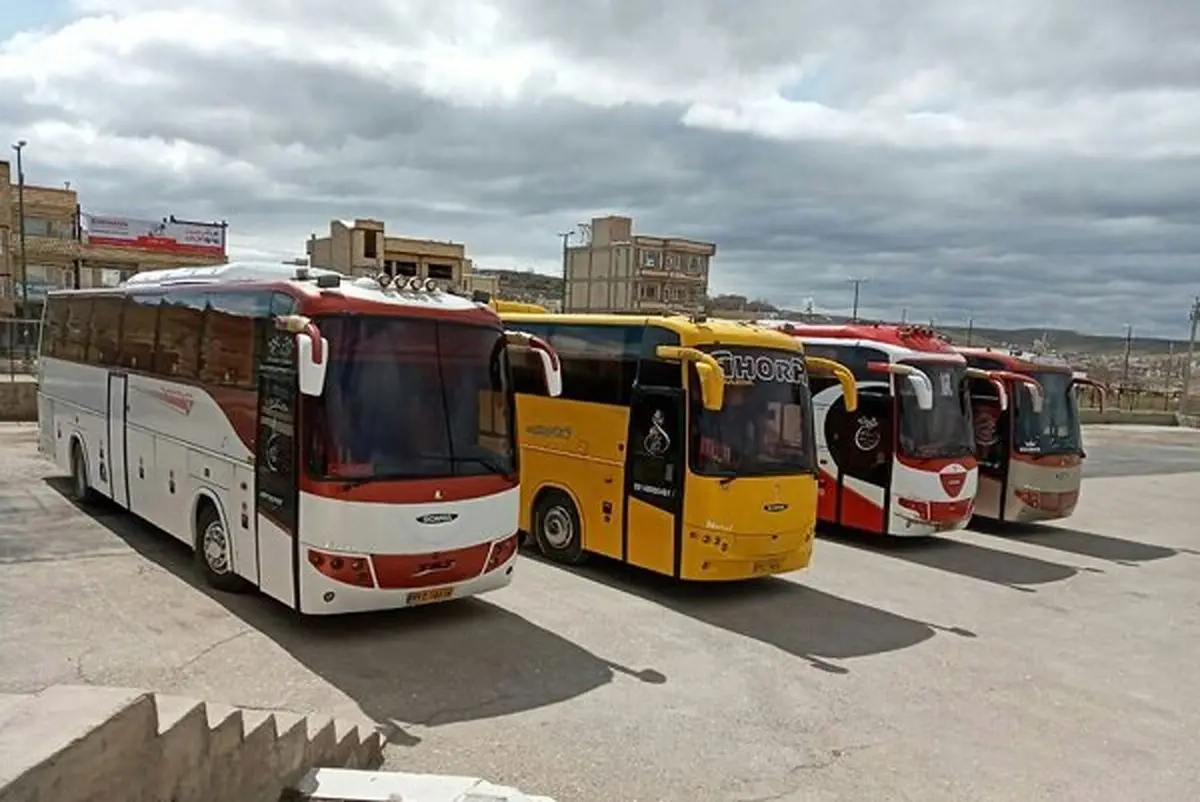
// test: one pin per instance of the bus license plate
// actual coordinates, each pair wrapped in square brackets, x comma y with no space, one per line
[767,567]
[427,596]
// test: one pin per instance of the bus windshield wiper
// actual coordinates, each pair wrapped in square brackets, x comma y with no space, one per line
[487,462]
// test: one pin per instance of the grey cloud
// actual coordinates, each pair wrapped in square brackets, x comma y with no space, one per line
[1005,238]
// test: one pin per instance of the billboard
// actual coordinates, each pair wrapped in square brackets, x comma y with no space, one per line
[160,236]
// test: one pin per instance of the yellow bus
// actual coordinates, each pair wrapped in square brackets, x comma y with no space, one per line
[681,445]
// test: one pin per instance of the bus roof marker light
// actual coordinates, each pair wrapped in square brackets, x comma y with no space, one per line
[431,285]
[384,280]
[329,281]
[414,284]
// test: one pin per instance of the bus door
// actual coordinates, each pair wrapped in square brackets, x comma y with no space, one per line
[861,444]
[993,446]
[277,496]
[118,409]
[655,468]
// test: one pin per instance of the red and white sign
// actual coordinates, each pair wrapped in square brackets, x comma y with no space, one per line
[953,477]
[161,236]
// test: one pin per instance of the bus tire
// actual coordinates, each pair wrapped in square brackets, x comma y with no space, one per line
[81,486]
[213,551]
[557,529]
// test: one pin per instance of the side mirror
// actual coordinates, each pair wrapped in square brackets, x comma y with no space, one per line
[921,386]
[708,370]
[843,374]
[551,364]
[998,383]
[1031,384]
[311,352]
[1101,390]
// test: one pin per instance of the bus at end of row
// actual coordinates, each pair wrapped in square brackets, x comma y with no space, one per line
[684,446]
[340,444]
[1028,438]
[904,462]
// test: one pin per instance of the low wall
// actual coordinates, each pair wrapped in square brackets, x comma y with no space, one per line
[1146,418]
[18,400]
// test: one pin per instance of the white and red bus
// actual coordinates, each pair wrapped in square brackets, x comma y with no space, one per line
[1030,449]
[341,444]
[904,462]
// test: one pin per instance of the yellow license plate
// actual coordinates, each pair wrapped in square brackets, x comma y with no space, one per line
[767,567]
[427,596]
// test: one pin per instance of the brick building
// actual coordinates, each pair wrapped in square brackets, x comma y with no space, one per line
[619,271]
[362,247]
[60,253]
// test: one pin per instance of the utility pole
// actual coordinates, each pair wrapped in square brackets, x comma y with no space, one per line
[566,238]
[904,315]
[857,282]
[970,330]
[1191,354]
[20,146]
[1128,351]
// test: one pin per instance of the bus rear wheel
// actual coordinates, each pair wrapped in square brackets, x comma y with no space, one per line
[214,551]
[557,529]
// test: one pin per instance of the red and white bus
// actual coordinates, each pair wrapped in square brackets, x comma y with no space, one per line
[904,462]
[341,444]
[1030,450]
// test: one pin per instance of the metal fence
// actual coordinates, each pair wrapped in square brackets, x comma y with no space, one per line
[19,346]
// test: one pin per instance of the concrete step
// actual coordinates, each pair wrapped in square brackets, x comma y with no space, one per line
[78,744]
[348,785]
[74,743]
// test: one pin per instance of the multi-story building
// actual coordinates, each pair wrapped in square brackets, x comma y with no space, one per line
[65,247]
[619,271]
[361,247]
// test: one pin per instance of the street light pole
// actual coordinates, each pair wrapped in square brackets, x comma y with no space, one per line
[566,237]
[1191,354]
[20,146]
[857,282]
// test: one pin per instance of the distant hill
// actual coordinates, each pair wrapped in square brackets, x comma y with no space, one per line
[532,287]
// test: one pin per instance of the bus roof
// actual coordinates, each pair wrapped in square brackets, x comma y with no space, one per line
[318,290]
[899,340]
[1019,361]
[691,331]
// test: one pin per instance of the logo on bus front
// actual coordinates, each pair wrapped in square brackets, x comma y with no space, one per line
[437,518]
[953,478]
[753,368]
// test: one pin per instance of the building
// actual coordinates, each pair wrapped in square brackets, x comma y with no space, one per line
[67,247]
[362,247]
[616,270]
[527,286]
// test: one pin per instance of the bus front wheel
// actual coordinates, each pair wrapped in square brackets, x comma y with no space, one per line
[557,529]
[214,550]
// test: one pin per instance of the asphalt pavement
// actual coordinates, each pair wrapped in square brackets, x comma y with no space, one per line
[1046,662]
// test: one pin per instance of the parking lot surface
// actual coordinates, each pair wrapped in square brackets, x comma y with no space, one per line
[1054,662]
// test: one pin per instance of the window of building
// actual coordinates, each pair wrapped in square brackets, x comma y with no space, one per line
[406,268]
[648,258]
[694,265]
[441,271]
[672,261]
[370,244]
[49,227]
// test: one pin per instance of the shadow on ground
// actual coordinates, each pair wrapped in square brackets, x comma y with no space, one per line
[957,556]
[1076,541]
[446,663]
[817,627]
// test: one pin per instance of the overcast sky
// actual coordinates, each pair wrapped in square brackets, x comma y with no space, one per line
[1022,163]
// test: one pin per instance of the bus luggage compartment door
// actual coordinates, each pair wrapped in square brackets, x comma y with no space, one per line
[654,480]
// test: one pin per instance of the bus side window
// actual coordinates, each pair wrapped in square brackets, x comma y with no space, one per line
[79,320]
[139,332]
[105,338]
[599,363]
[54,338]
[652,371]
[181,322]
[227,351]
[271,345]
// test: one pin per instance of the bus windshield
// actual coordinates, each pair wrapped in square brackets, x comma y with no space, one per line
[765,427]
[1056,430]
[411,398]
[945,431]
